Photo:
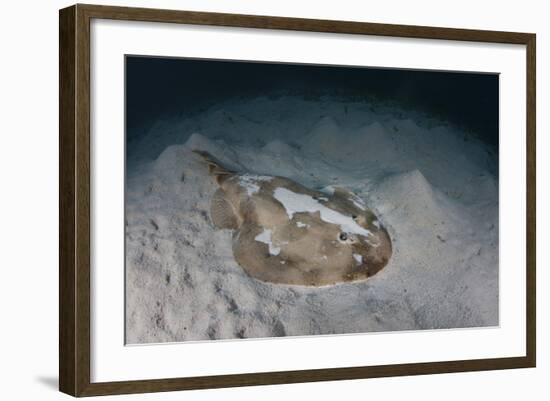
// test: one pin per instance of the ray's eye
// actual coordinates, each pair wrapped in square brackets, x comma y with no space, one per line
[343,236]
[354,216]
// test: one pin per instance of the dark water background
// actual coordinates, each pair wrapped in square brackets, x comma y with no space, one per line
[161,87]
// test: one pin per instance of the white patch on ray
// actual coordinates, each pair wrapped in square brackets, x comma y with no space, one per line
[296,203]
[265,237]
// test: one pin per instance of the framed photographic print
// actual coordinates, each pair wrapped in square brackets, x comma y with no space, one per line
[250,200]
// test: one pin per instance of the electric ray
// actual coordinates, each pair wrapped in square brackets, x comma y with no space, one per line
[285,233]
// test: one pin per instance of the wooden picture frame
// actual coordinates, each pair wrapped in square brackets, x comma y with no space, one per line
[74,203]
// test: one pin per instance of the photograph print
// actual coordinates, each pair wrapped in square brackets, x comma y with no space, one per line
[277,200]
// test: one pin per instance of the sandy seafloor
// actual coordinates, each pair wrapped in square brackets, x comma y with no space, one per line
[433,186]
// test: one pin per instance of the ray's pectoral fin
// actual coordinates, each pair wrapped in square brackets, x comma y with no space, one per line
[222,213]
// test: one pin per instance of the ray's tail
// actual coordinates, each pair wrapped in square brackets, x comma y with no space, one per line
[215,167]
